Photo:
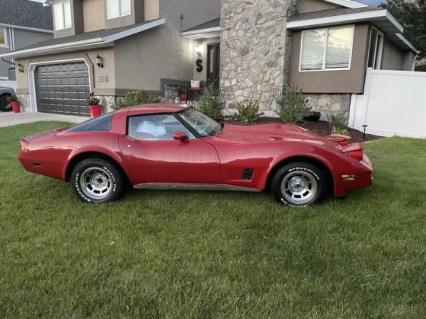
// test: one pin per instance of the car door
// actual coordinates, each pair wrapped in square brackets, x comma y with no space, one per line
[153,155]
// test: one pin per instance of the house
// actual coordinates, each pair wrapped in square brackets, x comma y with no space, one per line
[248,49]
[22,23]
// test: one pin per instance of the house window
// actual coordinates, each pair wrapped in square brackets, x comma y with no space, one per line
[3,37]
[327,49]
[62,15]
[118,8]
[375,50]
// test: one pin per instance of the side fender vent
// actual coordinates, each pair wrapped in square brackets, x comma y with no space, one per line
[247,174]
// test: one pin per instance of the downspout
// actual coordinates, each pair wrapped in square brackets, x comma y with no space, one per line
[92,71]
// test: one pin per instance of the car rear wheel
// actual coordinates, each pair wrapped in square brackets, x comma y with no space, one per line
[299,184]
[4,103]
[96,180]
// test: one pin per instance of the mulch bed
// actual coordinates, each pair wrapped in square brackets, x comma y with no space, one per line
[321,128]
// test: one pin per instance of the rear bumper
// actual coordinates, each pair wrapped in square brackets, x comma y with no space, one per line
[40,165]
[362,177]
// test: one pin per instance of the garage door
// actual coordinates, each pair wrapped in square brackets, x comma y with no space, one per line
[62,88]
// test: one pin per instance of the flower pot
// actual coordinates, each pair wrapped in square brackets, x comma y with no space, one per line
[95,110]
[16,106]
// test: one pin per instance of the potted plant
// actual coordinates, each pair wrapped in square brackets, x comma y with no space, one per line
[94,105]
[16,105]
[183,93]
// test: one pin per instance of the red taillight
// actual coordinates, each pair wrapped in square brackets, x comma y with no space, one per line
[356,151]
[342,140]
[358,155]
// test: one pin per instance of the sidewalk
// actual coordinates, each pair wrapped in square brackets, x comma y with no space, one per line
[10,118]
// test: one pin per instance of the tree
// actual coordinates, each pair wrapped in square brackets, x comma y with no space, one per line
[412,15]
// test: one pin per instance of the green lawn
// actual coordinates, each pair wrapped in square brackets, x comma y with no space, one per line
[214,255]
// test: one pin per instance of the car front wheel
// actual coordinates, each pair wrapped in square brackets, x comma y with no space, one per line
[96,180]
[299,184]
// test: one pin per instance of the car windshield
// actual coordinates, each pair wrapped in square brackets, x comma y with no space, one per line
[201,123]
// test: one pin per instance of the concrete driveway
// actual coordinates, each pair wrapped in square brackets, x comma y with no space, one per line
[10,118]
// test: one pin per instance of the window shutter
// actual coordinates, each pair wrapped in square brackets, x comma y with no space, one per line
[126,8]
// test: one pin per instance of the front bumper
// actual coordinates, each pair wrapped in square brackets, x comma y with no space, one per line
[362,177]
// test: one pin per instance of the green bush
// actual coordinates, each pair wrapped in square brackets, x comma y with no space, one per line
[139,97]
[339,123]
[421,68]
[248,112]
[292,106]
[211,104]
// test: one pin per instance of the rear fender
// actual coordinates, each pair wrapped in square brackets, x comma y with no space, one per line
[87,152]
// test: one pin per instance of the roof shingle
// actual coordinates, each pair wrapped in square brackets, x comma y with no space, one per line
[25,13]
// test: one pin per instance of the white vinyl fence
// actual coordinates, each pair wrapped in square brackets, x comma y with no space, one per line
[393,103]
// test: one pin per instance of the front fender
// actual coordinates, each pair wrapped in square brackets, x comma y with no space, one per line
[288,156]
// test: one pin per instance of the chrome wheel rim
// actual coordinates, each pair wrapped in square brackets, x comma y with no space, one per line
[299,187]
[96,183]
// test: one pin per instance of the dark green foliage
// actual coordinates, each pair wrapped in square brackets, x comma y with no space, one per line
[412,15]
[292,106]
[211,103]
[339,123]
[421,68]
[133,98]
[248,112]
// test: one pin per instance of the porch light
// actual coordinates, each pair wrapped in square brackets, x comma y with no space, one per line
[198,50]
[99,61]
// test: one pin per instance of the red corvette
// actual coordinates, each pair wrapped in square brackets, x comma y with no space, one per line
[169,146]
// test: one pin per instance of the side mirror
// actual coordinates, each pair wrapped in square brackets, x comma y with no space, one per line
[180,136]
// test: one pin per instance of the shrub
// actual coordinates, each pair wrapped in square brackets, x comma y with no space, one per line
[12,98]
[139,97]
[338,123]
[292,106]
[93,100]
[248,112]
[211,103]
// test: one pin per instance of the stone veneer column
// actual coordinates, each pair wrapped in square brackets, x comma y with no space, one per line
[254,51]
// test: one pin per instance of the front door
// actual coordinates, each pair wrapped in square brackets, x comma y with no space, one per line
[154,157]
[213,65]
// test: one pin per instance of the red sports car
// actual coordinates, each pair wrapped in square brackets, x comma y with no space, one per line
[174,147]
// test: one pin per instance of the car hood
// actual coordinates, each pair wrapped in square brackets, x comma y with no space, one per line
[272,132]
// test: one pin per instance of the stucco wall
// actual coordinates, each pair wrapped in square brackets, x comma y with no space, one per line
[162,53]
[94,15]
[304,6]
[395,58]
[25,38]
[343,81]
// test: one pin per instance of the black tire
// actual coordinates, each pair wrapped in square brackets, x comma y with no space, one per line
[96,180]
[299,184]
[4,103]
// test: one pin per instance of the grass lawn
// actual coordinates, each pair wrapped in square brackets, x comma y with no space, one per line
[214,255]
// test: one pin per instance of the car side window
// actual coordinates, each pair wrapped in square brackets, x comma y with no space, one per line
[98,124]
[155,127]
